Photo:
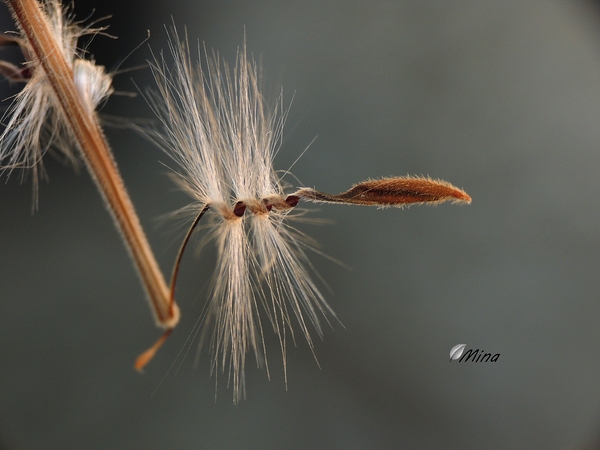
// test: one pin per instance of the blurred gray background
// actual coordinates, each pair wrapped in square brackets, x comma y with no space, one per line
[500,98]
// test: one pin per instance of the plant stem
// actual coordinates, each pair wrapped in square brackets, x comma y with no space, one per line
[96,154]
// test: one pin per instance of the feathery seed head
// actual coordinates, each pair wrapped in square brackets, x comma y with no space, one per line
[35,120]
[223,136]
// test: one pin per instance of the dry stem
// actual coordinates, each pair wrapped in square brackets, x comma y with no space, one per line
[96,154]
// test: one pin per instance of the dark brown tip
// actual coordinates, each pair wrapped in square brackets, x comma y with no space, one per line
[292,200]
[267,204]
[239,209]
[15,74]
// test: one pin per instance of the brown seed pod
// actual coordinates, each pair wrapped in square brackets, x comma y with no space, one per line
[394,191]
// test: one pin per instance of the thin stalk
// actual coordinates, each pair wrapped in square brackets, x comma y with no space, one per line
[147,356]
[96,154]
[180,254]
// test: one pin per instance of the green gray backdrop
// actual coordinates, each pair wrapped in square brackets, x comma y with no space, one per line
[500,98]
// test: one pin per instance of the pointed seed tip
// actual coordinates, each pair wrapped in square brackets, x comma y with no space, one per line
[143,359]
[463,197]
